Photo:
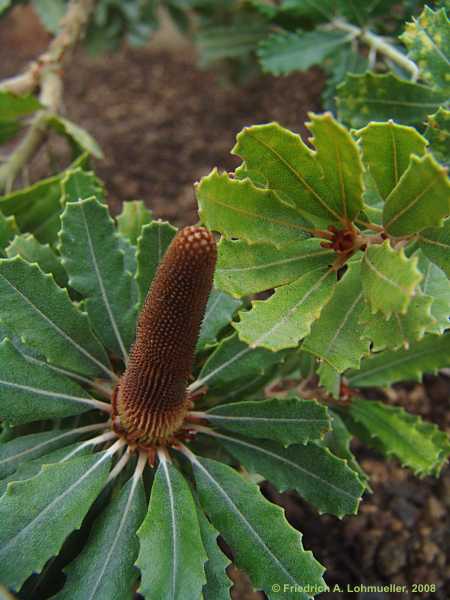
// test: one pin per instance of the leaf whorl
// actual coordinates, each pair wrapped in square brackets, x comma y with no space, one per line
[151,399]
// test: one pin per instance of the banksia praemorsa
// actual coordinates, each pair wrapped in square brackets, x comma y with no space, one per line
[151,400]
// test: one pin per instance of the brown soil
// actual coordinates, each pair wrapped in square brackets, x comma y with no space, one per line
[162,124]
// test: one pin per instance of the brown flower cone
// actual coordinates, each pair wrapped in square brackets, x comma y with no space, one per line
[151,398]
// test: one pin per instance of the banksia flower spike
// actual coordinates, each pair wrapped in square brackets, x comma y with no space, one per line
[151,400]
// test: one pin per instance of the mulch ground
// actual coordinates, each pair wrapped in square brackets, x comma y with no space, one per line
[163,124]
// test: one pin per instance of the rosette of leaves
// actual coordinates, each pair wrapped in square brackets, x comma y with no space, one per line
[86,513]
[350,239]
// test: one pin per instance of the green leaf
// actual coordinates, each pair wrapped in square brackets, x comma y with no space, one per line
[105,567]
[322,479]
[292,168]
[8,229]
[78,184]
[152,244]
[286,317]
[336,336]
[218,314]
[389,279]
[13,106]
[387,148]
[29,392]
[435,244]
[132,219]
[4,5]
[426,356]
[80,136]
[239,209]
[435,284]
[28,469]
[33,307]
[438,134]
[339,157]
[330,379]
[244,269]
[8,129]
[375,97]
[234,364]
[399,330]
[263,542]
[218,43]
[36,208]
[420,200]
[171,532]
[282,53]
[218,584]
[338,440]
[418,444]
[345,60]
[428,41]
[287,420]
[50,13]
[38,514]
[27,246]
[95,263]
[29,447]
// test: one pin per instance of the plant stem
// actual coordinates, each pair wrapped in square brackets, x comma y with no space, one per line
[46,72]
[378,44]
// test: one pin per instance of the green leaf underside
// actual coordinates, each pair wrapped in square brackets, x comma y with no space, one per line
[282,53]
[263,543]
[219,43]
[105,567]
[438,134]
[92,257]
[286,317]
[218,584]
[171,533]
[13,106]
[418,444]
[324,480]
[132,219]
[33,307]
[237,208]
[152,244]
[294,170]
[428,42]
[435,284]
[235,364]
[387,148]
[287,420]
[32,446]
[420,200]
[27,246]
[37,515]
[80,136]
[336,336]
[30,392]
[389,279]
[435,243]
[244,268]
[399,330]
[425,356]
[218,314]
[374,97]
